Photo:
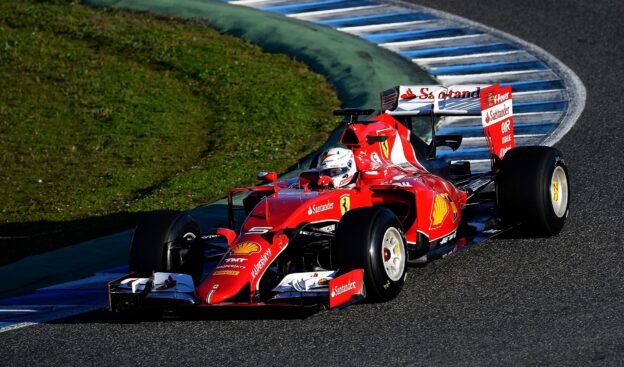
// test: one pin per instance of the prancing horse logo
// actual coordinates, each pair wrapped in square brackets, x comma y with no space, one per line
[384,149]
[345,204]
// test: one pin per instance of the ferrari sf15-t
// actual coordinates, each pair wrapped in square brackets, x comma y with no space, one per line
[306,242]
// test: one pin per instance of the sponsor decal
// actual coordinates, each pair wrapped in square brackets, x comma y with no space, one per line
[461,93]
[426,93]
[453,207]
[259,230]
[440,210]
[555,191]
[235,259]
[489,99]
[346,288]
[448,238]
[385,150]
[261,263]
[497,113]
[505,127]
[246,248]
[497,119]
[210,236]
[338,290]
[329,228]
[226,272]
[408,94]
[345,203]
[403,184]
[314,209]
[230,266]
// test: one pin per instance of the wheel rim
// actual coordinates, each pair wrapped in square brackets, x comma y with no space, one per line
[559,191]
[393,254]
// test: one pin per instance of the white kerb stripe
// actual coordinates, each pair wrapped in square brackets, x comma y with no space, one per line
[429,60]
[331,11]
[380,27]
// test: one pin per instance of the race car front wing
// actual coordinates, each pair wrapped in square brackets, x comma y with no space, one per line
[170,290]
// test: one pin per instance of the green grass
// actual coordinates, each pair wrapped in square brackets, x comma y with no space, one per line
[105,113]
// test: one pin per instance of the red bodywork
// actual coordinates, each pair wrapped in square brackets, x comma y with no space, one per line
[389,175]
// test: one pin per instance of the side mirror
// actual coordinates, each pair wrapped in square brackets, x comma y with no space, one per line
[267,176]
[229,235]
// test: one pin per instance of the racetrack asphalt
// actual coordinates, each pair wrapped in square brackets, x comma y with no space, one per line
[556,301]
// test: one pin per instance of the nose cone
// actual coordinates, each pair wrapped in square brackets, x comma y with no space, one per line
[243,265]
[218,289]
[231,275]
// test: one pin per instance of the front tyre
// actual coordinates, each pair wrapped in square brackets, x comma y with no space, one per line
[533,189]
[166,241]
[372,239]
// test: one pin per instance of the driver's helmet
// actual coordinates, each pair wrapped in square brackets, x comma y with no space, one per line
[339,164]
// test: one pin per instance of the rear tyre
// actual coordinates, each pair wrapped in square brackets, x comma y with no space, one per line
[166,241]
[372,239]
[533,189]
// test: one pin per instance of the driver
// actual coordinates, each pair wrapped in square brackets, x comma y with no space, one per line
[339,164]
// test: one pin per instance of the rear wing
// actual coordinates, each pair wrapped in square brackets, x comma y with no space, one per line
[492,102]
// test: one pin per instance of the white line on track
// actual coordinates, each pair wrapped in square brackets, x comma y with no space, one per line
[60,314]
[19,310]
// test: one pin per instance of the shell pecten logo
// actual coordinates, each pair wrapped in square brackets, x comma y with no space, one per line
[440,210]
[246,248]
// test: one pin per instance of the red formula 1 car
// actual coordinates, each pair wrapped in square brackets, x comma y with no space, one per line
[315,241]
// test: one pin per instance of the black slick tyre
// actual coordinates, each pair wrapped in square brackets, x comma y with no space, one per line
[372,239]
[533,189]
[166,241]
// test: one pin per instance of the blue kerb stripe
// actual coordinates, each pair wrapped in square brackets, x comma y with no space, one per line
[376,19]
[466,153]
[488,67]
[477,130]
[316,6]
[525,107]
[419,34]
[280,8]
[535,85]
[458,50]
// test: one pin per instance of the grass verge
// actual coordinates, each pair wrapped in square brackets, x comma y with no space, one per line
[106,114]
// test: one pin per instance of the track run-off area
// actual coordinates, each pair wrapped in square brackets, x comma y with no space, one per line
[520,301]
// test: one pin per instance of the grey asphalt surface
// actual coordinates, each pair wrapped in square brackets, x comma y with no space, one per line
[508,301]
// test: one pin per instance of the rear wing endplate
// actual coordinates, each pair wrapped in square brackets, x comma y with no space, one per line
[492,102]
